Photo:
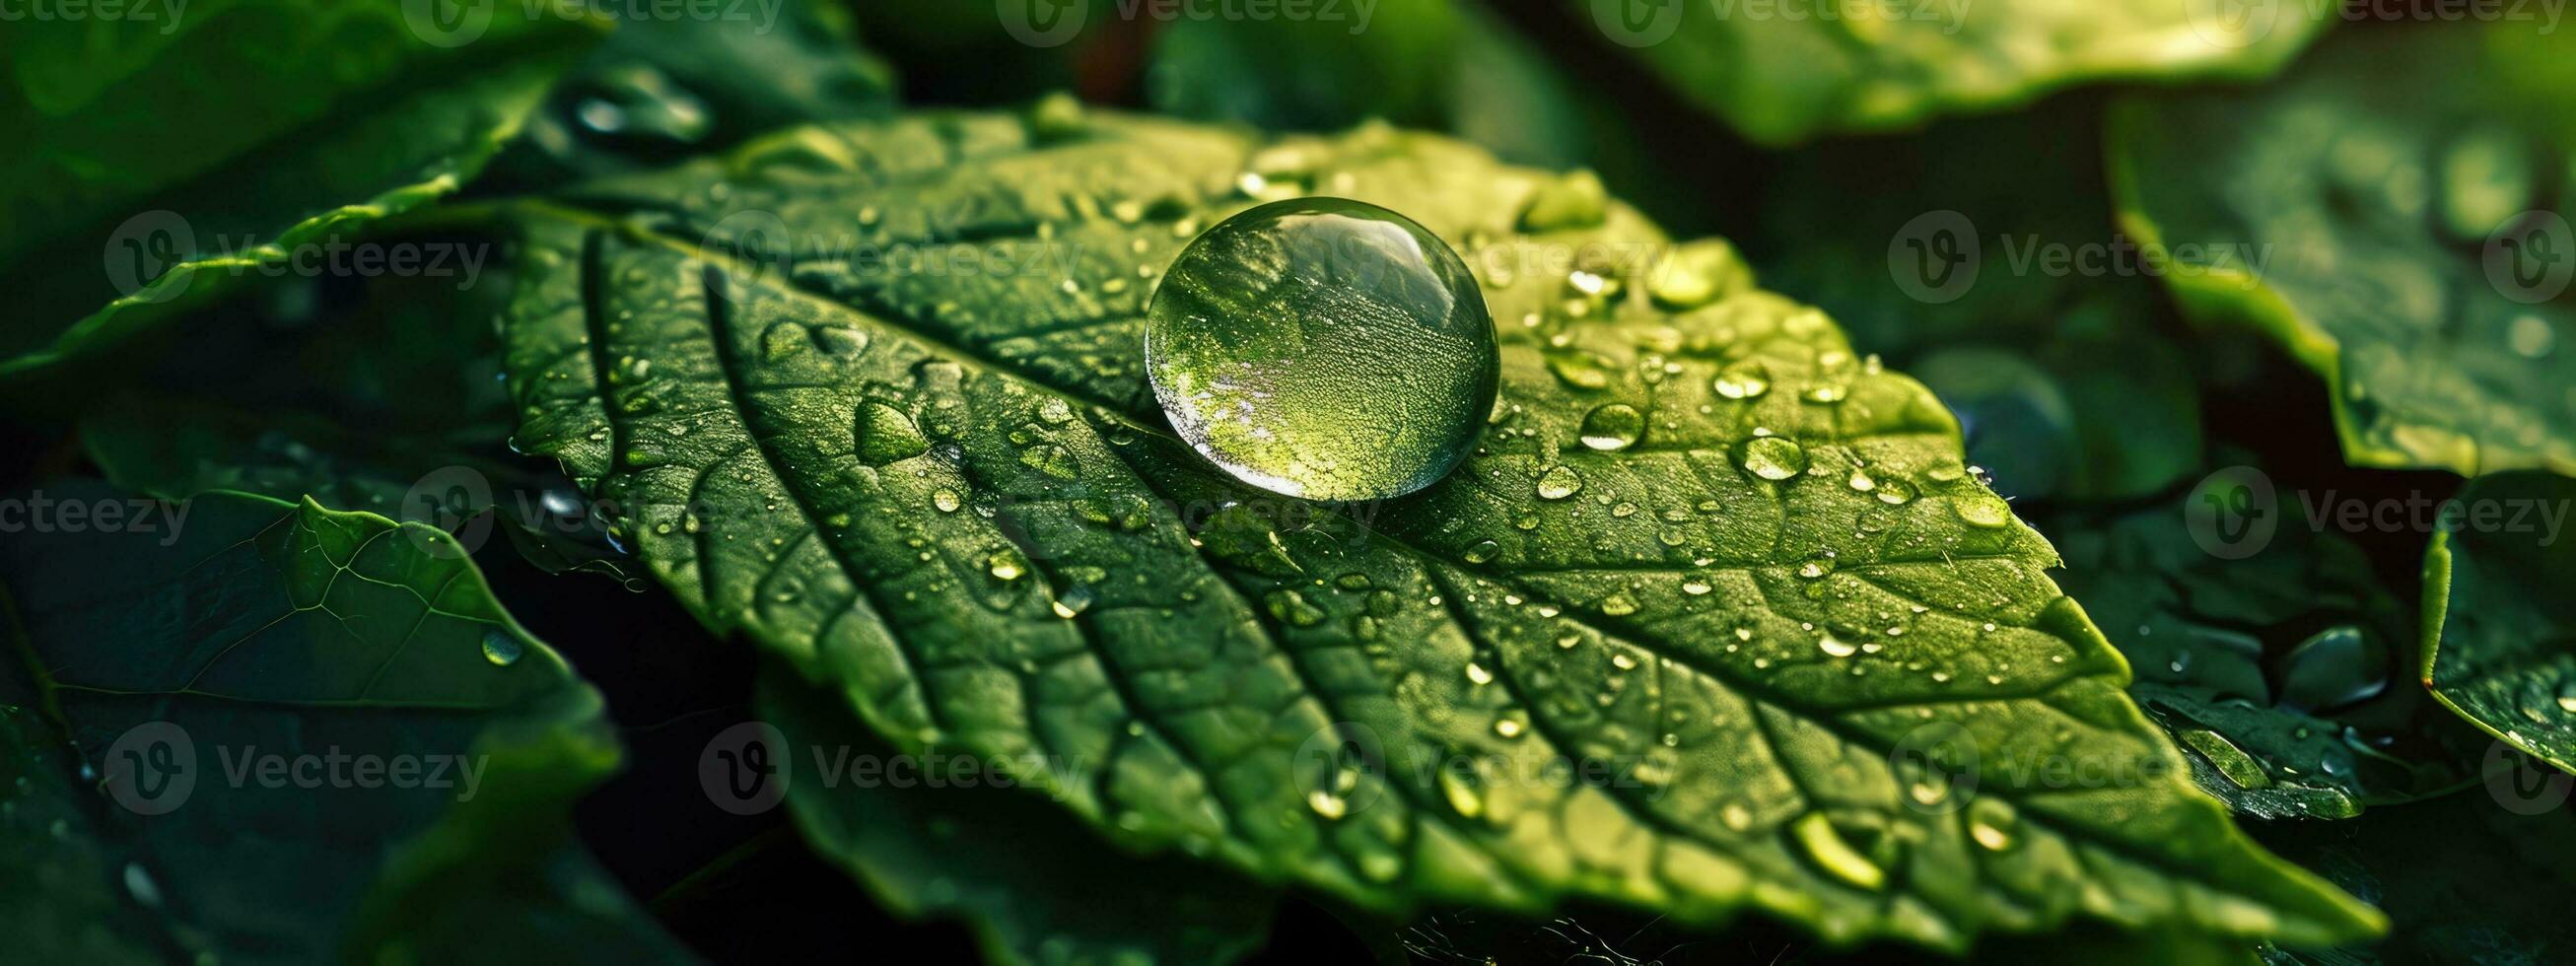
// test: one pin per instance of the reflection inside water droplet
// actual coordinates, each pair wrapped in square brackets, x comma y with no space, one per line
[1323,348]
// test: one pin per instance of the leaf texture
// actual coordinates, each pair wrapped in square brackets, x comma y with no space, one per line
[1685,674]
[260,631]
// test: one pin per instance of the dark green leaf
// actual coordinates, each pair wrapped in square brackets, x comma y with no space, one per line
[2400,246]
[153,170]
[2500,627]
[1996,279]
[377,393]
[2279,672]
[1037,885]
[187,649]
[1314,73]
[1735,628]
[2467,879]
[1786,78]
[662,88]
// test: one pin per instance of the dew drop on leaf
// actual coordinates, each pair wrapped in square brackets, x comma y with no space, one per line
[885,435]
[1743,380]
[1006,565]
[501,649]
[1984,510]
[1558,482]
[1323,348]
[1774,458]
[1613,427]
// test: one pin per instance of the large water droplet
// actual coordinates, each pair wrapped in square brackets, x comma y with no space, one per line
[1323,348]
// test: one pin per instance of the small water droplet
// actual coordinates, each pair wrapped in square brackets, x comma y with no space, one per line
[1005,565]
[1991,823]
[1982,510]
[502,649]
[1613,427]
[1558,482]
[1697,273]
[1573,200]
[1743,380]
[886,435]
[1461,792]
[1327,804]
[2530,337]
[1071,601]
[1774,458]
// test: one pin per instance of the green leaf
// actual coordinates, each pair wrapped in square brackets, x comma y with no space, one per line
[2465,878]
[234,631]
[2397,245]
[1434,64]
[663,88]
[1036,885]
[63,895]
[2499,630]
[157,169]
[1783,79]
[1996,279]
[1367,700]
[2278,671]
[1313,73]
[374,393]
